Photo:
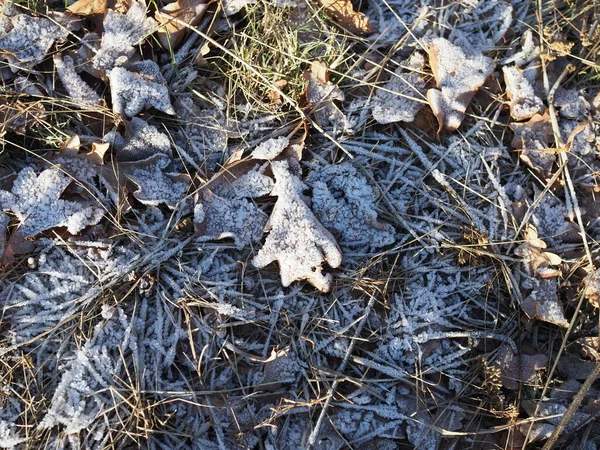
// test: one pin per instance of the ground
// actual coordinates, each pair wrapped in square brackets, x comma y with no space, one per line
[286,225]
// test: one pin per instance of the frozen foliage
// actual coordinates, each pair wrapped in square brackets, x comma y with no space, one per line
[321,95]
[72,82]
[524,104]
[144,141]
[9,438]
[145,159]
[27,40]
[155,184]
[221,217]
[121,33]
[343,201]
[458,74]
[76,401]
[402,97]
[226,209]
[139,86]
[35,200]
[271,148]
[297,241]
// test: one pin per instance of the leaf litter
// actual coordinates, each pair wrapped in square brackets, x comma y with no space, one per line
[417,195]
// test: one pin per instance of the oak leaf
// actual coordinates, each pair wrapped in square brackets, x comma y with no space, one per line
[296,240]
[458,74]
[171,33]
[342,11]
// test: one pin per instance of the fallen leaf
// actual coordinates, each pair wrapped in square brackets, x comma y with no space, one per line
[143,157]
[524,104]
[592,290]
[543,303]
[320,95]
[78,90]
[273,95]
[458,75]
[535,133]
[171,33]
[29,40]
[35,200]
[296,240]
[139,86]
[121,33]
[89,7]
[518,368]
[342,11]
[398,101]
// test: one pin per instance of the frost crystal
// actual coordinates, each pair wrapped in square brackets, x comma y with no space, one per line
[400,101]
[139,87]
[72,82]
[35,201]
[458,75]
[8,437]
[343,201]
[121,33]
[30,38]
[297,241]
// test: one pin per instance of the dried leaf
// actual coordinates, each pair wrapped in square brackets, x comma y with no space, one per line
[121,33]
[543,303]
[297,241]
[139,86]
[535,133]
[516,369]
[458,75]
[29,40]
[524,104]
[35,200]
[231,7]
[592,290]
[398,102]
[144,159]
[89,7]
[342,11]
[171,33]
[320,95]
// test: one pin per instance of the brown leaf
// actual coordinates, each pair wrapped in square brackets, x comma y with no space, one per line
[458,75]
[516,369]
[538,129]
[171,33]
[98,7]
[543,303]
[342,11]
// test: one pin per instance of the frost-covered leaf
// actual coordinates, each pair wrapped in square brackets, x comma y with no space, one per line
[320,95]
[458,75]
[144,159]
[155,184]
[78,89]
[343,201]
[297,241]
[225,208]
[121,33]
[35,200]
[28,40]
[524,104]
[571,104]
[400,99]
[342,11]
[543,303]
[139,86]
[171,33]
